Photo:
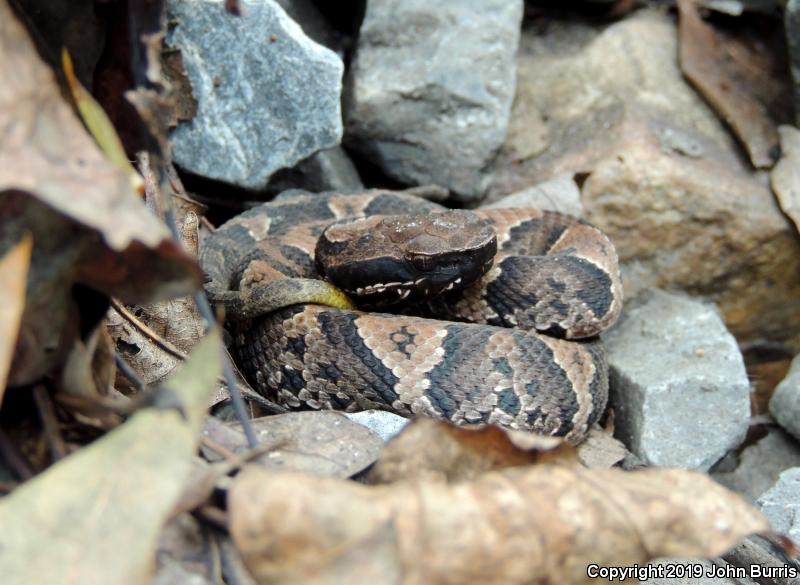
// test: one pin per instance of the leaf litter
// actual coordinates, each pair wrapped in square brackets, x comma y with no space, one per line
[437,504]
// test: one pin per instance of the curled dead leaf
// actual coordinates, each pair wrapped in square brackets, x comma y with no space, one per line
[321,442]
[429,448]
[744,84]
[522,525]
[95,517]
[59,187]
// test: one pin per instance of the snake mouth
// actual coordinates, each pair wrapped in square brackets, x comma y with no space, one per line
[389,293]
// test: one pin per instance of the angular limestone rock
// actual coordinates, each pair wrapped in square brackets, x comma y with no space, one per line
[429,94]
[679,388]
[267,96]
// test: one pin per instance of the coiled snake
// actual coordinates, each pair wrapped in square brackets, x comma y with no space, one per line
[519,347]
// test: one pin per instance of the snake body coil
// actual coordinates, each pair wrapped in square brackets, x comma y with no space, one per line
[520,348]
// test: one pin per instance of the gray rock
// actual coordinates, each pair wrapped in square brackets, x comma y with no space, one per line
[760,465]
[785,402]
[428,96]
[383,423]
[267,96]
[678,384]
[313,23]
[327,170]
[663,175]
[558,194]
[781,504]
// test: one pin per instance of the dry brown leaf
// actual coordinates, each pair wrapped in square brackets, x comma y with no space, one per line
[95,517]
[600,449]
[321,442]
[434,449]
[89,228]
[521,525]
[89,369]
[153,337]
[785,177]
[13,274]
[739,81]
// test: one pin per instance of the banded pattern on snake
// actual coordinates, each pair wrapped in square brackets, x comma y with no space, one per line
[518,347]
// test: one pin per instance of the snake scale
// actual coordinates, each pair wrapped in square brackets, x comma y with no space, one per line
[518,348]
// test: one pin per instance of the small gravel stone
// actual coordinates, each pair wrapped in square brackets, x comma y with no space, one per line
[785,402]
[267,95]
[761,464]
[781,504]
[678,385]
[428,96]
[381,422]
[326,170]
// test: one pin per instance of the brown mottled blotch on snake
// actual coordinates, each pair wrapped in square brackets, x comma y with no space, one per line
[517,347]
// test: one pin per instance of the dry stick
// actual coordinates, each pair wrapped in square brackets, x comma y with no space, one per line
[233,567]
[239,406]
[213,516]
[753,552]
[47,414]
[128,372]
[147,332]
[211,552]
[219,449]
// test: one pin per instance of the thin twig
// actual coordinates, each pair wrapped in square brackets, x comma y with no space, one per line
[127,371]
[146,331]
[204,307]
[211,553]
[47,414]
[213,516]
[233,568]
[758,551]
[219,449]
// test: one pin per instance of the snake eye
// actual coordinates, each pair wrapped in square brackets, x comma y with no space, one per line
[422,262]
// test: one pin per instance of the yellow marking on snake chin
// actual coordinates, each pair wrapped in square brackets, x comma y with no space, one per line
[332,297]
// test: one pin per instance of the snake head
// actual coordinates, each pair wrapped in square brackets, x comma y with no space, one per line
[383,260]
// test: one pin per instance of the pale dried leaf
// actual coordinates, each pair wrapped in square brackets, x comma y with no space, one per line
[600,450]
[14,275]
[151,361]
[89,227]
[89,368]
[785,177]
[95,517]
[522,525]
[37,125]
[435,449]
[321,442]
[177,322]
